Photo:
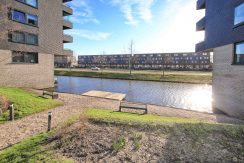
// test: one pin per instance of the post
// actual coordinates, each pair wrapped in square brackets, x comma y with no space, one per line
[11,112]
[49,121]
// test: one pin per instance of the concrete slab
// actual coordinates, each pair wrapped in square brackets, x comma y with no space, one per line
[106,95]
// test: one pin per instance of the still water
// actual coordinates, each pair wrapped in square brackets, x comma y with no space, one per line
[196,97]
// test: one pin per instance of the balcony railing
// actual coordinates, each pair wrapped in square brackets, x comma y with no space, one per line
[200,46]
[67,38]
[64,1]
[67,10]
[201,4]
[67,24]
[67,52]
[200,26]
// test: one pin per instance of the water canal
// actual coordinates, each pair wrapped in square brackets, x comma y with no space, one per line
[196,97]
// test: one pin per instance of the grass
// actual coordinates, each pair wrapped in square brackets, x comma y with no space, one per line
[37,148]
[26,103]
[32,150]
[137,137]
[195,129]
[118,144]
[128,118]
[196,78]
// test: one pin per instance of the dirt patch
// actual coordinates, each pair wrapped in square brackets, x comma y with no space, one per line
[4,104]
[94,142]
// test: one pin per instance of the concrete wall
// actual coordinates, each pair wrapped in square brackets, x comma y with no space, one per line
[39,75]
[228,82]
[219,24]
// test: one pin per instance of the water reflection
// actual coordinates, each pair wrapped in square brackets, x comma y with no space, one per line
[186,96]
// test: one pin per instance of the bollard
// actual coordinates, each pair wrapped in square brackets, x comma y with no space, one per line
[49,121]
[11,112]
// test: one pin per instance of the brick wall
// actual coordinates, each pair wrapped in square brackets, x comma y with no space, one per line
[228,82]
[49,30]
[39,75]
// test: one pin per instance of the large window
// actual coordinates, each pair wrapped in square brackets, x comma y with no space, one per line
[239,53]
[31,39]
[239,14]
[18,16]
[23,37]
[24,18]
[18,37]
[24,57]
[33,3]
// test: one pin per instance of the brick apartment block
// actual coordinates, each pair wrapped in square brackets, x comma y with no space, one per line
[31,34]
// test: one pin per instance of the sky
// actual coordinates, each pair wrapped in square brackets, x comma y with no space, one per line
[155,26]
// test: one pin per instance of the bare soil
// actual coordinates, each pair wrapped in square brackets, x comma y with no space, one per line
[94,142]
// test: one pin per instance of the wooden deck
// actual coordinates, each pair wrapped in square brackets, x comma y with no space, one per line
[106,95]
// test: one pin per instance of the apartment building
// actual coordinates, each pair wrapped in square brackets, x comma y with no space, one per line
[224,34]
[178,61]
[31,35]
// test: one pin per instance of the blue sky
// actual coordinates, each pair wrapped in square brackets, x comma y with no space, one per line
[108,26]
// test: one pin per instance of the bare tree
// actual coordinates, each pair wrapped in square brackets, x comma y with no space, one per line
[132,50]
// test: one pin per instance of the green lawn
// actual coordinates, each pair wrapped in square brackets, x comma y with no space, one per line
[32,150]
[169,125]
[130,118]
[205,78]
[26,103]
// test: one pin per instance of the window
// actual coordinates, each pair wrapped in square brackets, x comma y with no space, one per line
[239,14]
[18,16]
[33,3]
[239,53]
[32,39]
[31,19]
[24,18]
[23,37]
[18,37]
[24,57]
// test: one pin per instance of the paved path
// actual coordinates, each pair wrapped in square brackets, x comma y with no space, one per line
[14,132]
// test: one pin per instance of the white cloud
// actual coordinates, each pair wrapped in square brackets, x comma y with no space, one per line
[83,12]
[135,10]
[88,34]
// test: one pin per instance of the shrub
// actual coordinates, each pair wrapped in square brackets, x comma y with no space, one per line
[4,104]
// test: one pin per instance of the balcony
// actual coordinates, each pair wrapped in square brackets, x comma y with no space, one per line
[68,52]
[67,24]
[67,11]
[200,26]
[64,1]
[67,39]
[201,4]
[200,46]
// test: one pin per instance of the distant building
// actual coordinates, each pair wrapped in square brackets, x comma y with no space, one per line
[63,61]
[31,33]
[178,61]
[224,35]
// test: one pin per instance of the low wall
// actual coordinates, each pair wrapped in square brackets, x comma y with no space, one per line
[228,83]
[40,75]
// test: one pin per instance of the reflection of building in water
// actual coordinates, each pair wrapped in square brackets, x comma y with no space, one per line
[182,61]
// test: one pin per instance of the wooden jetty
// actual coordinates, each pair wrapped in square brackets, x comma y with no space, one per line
[105,95]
